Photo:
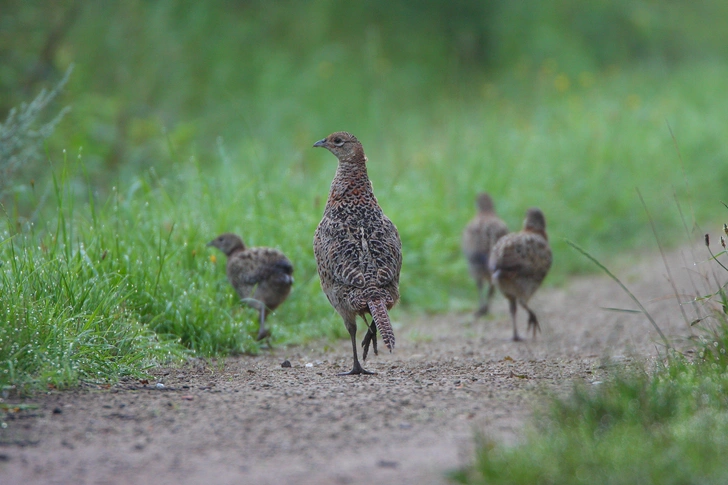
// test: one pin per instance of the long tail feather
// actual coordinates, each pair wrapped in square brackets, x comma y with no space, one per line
[381,318]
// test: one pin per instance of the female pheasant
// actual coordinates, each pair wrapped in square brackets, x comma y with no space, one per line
[357,248]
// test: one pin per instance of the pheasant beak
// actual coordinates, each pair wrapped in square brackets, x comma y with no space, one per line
[320,143]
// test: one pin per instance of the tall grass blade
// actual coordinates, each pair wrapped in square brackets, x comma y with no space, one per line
[626,290]
[620,310]
[664,259]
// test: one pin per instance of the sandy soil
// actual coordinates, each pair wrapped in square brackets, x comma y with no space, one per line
[250,420]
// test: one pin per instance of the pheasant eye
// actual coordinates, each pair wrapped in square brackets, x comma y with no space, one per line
[338,141]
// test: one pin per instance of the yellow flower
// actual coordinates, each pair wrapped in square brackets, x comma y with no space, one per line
[633,101]
[562,83]
[489,90]
[548,67]
[325,69]
[586,79]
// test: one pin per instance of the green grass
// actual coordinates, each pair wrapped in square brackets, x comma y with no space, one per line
[204,124]
[579,155]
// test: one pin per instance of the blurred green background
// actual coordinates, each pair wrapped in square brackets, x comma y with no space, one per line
[193,118]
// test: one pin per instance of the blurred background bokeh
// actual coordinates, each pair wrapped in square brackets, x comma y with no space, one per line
[150,75]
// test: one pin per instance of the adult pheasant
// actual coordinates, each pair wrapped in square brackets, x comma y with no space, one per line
[357,248]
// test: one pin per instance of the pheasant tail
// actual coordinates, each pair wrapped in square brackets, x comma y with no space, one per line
[380,316]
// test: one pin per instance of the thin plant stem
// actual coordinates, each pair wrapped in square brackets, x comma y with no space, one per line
[619,282]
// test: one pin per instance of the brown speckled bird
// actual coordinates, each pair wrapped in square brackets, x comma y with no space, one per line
[358,250]
[261,276]
[479,238]
[519,263]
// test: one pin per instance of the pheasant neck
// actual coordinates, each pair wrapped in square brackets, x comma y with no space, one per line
[235,250]
[353,174]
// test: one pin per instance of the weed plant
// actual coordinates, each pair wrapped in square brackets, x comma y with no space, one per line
[21,138]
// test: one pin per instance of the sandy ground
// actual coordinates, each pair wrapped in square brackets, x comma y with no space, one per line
[250,420]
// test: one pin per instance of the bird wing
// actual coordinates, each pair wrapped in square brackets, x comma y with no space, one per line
[522,255]
[281,271]
[480,236]
[274,262]
[472,243]
[338,252]
[240,269]
[284,265]
[385,248]
[260,264]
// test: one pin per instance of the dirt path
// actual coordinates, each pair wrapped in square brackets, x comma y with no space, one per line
[250,420]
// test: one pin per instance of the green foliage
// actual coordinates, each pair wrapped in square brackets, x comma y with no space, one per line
[62,323]
[597,34]
[190,71]
[21,138]
[68,312]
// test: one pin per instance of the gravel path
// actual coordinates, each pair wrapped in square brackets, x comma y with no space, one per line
[250,420]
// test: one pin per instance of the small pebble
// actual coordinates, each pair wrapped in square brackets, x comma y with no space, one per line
[159,385]
[57,411]
[309,364]
[286,363]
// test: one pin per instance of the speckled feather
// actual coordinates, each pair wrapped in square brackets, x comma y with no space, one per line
[259,275]
[522,261]
[357,248]
[519,263]
[480,236]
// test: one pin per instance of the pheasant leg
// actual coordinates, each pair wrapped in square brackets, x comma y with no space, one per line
[371,336]
[357,369]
